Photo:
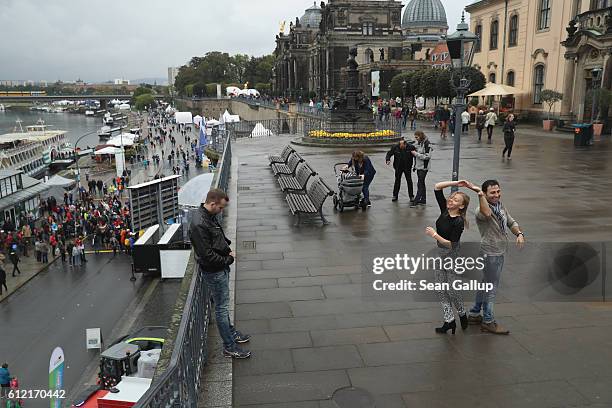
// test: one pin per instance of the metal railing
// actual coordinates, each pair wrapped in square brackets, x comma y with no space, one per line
[178,379]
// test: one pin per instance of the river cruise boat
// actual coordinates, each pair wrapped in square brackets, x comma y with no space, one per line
[30,150]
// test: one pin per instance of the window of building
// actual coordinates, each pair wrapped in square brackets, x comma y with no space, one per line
[544,15]
[510,78]
[513,37]
[494,35]
[479,35]
[538,84]
[368,29]
[492,77]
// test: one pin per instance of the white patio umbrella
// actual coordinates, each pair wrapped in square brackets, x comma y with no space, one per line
[213,122]
[492,89]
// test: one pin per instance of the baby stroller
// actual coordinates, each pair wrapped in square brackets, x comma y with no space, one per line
[349,189]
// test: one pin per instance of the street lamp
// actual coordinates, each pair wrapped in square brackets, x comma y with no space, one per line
[76,158]
[404,92]
[461,46]
[595,78]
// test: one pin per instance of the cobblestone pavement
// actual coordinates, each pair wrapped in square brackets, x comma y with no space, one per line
[299,292]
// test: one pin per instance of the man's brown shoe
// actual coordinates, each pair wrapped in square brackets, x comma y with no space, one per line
[475,319]
[493,328]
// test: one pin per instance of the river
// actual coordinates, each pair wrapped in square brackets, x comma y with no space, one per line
[75,125]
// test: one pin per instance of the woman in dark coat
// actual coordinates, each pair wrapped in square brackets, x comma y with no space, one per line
[509,128]
[364,168]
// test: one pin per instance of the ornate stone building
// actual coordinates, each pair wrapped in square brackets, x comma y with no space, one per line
[544,44]
[312,57]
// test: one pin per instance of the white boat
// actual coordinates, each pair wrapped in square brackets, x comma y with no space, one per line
[30,150]
[1,108]
[89,113]
[108,119]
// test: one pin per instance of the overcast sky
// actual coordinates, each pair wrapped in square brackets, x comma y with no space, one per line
[133,39]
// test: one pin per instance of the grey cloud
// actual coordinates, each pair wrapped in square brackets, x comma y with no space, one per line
[66,39]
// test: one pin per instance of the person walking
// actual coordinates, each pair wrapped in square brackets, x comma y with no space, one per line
[480,123]
[2,279]
[413,117]
[5,380]
[494,221]
[445,116]
[447,234]
[465,121]
[14,257]
[490,121]
[402,163]
[76,255]
[422,155]
[214,257]
[362,165]
[509,129]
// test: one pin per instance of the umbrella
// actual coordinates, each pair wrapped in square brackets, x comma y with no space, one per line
[213,122]
[194,192]
[492,89]
[197,120]
[109,150]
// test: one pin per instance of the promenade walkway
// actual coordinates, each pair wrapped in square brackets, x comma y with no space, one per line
[299,291]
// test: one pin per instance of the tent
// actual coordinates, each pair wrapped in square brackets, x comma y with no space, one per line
[108,150]
[228,118]
[213,122]
[58,180]
[492,89]
[197,120]
[260,130]
[127,139]
[183,117]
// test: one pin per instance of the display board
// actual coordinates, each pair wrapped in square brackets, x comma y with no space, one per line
[154,202]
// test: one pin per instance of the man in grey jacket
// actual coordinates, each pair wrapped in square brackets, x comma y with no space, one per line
[422,161]
[494,221]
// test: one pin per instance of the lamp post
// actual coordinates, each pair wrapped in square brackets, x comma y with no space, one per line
[595,78]
[404,92]
[461,50]
[76,159]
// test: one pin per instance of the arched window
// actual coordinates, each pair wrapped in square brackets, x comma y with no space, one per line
[494,35]
[544,14]
[538,84]
[479,35]
[513,37]
[492,77]
[510,78]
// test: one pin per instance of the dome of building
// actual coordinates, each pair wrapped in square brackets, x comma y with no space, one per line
[424,13]
[312,17]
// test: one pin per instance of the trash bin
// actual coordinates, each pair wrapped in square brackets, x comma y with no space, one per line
[583,134]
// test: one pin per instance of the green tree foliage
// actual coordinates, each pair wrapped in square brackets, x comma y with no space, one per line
[141,90]
[199,89]
[144,100]
[221,68]
[550,97]
[397,85]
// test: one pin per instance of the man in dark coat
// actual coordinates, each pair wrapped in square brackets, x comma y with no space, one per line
[2,279]
[402,163]
[14,259]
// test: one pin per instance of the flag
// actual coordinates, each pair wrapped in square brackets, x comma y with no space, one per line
[203,140]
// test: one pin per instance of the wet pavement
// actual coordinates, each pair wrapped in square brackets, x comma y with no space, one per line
[299,291]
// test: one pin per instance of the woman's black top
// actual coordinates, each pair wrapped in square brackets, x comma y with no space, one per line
[509,127]
[449,228]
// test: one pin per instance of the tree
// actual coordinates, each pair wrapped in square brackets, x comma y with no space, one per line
[199,89]
[443,84]
[238,66]
[144,100]
[142,90]
[397,84]
[550,97]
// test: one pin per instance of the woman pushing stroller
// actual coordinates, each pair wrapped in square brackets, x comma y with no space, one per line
[362,165]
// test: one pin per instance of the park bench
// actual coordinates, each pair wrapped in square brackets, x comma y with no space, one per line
[289,168]
[281,158]
[311,202]
[299,182]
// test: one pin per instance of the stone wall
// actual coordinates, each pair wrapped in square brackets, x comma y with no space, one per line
[213,108]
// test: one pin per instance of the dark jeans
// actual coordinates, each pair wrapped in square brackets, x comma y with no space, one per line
[509,141]
[421,196]
[490,131]
[479,133]
[465,127]
[366,188]
[1,285]
[16,268]
[218,285]
[399,172]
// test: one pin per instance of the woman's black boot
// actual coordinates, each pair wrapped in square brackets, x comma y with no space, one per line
[464,321]
[446,326]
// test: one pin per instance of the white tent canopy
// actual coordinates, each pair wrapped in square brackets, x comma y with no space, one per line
[229,118]
[260,130]
[197,120]
[213,122]
[183,117]
[58,180]
[109,150]
[127,139]
[492,89]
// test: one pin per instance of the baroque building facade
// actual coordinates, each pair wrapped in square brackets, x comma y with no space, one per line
[311,58]
[545,44]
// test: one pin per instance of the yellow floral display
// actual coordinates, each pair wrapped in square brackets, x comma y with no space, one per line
[348,135]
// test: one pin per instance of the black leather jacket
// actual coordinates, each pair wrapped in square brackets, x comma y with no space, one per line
[401,157]
[212,248]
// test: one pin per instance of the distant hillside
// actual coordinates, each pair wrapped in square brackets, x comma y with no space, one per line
[159,81]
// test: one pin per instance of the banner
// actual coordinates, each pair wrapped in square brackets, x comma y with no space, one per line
[375,83]
[56,375]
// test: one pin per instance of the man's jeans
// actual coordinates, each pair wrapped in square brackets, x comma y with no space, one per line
[485,300]
[218,285]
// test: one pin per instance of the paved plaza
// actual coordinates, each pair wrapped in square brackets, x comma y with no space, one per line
[299,291]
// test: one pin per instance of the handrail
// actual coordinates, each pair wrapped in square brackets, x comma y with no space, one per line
[178,376]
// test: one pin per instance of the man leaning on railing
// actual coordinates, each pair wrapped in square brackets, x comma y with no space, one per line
[214,257]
